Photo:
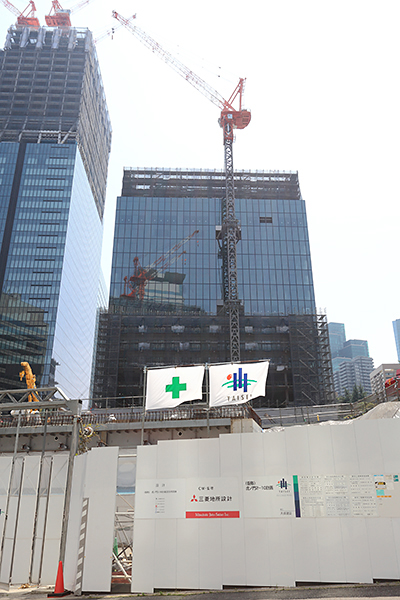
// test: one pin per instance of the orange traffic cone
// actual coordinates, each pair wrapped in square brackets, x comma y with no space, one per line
[59,587]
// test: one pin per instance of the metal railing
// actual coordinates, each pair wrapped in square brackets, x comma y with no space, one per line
[60,418]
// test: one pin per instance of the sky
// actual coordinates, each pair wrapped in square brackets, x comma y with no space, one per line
[322,87]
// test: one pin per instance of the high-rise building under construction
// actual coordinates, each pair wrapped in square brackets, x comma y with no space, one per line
[166,295]
[55,138]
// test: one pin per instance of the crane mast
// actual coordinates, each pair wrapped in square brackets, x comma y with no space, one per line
[230,119]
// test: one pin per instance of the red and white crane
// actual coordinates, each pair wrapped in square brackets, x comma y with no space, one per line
[61,17]
[27,17]
[141,275]
[230,119]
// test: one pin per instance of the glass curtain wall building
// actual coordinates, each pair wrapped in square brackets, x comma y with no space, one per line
[55,138]
[396,330]
[166,283]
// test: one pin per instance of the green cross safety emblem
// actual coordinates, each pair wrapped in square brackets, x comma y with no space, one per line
[175,387]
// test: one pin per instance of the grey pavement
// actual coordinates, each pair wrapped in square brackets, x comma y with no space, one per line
[378,591]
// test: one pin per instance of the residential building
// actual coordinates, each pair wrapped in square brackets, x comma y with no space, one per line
[396,329]
[350,372]
[351,362]
[381,374]
[55,138]
[166,302]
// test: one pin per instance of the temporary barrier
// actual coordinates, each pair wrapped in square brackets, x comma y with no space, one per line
[318,503]
[32,497]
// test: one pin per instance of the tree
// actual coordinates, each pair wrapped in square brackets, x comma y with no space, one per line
[361,392]
[347,396]
[354,395]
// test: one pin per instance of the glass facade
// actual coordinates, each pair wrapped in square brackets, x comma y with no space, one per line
[396,329]
[50,265]
[55,139]
[273,256]
[337,338]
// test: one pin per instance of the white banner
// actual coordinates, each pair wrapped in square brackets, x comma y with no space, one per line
[167,388]
[237,383]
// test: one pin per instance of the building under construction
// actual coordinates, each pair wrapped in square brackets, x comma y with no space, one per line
[55,138]
[166,296]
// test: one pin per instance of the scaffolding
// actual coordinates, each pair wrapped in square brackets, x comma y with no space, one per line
[179,183]
[311,360]
[297,346]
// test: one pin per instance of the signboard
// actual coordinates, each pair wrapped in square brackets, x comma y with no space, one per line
[359,495]
[199,498]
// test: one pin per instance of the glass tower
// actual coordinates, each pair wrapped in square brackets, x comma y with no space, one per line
[337,337]
[53,169]
[396,329]
[166,293]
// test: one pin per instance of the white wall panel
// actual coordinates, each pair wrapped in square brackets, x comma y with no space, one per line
[23,542]
[370,458]
[383,555]
[275,457]
[344,449]
[330,551]
[233,551]
[100,488]
[208,466]
[143,559]
[207,551]
[10,525]
[187,548]
[355,551]
[6,562]
[390,443]
[305,550]
[252,455]
[210,554]
[321,450]
[188,458]
[51,550]
[167,460]
[165,553]
[5,471]
[396,536]
[146,467]
[281,555]
[298,450]
[256,553]
[26,518]
[38,545]
[74,521]
[230,454]
[55,509]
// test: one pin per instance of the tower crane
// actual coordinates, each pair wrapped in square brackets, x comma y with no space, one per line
[230,118]
[141,275]
[61,17]
[26,18]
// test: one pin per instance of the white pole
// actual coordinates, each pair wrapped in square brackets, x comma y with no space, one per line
[144,403]
[208,399]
